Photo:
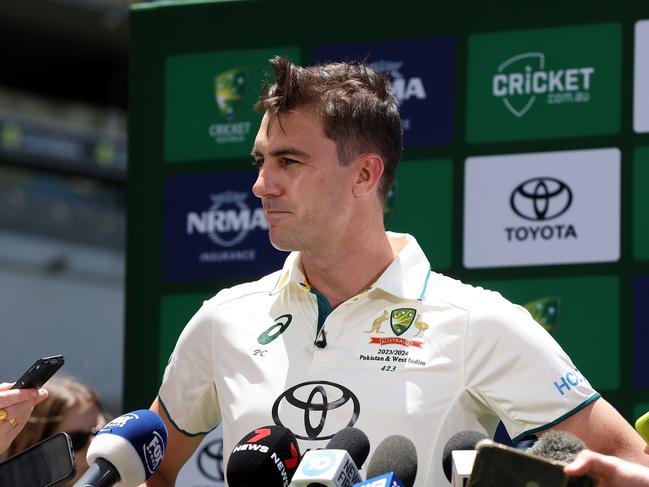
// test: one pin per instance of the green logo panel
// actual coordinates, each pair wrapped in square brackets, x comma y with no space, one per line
[175,312]
[581,313]
[420,203]
[641,203]
[558,82]
[209,99]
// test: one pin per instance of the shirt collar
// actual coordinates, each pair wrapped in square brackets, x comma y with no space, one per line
[406,277]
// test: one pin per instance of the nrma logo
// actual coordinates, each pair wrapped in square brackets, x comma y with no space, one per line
[404,88]
[228,221]
[522,78]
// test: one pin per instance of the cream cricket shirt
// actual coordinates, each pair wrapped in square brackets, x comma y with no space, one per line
[418,354]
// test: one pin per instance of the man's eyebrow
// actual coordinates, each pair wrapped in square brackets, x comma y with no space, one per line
[282,151]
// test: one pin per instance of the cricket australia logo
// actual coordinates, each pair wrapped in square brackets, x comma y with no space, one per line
[522,78]
[401,319]
[229,91]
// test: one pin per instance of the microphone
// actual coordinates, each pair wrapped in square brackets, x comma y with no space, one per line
[458,456]
[336,465]
[394,463]
[642,426]
[557,445]
[266,456]
[126,451]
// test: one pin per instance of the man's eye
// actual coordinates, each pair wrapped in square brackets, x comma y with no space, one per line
[287,161]
[258,163]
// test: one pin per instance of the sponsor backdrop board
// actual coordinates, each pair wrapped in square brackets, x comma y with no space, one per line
[423,85]
[641,203]
[581,313]
[209,102]
[640,330]
[542,208]
[205,467]
[525,162]
[641,77]
[544,83]
[214,227]
[420,203]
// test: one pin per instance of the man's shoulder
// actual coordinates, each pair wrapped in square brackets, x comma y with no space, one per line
[246,291]
[459,294]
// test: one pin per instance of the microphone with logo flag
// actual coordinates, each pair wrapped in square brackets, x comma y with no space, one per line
[336,465]
[394,464]
[458,456]
[266,456]
[126,451]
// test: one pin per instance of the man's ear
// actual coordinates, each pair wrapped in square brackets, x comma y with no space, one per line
[369,169]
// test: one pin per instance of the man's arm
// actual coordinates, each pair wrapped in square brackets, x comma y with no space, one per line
[179,448]
[604,430]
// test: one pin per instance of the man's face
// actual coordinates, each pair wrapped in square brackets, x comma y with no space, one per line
[305,191]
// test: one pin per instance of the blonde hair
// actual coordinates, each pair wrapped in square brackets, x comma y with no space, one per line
[64,394]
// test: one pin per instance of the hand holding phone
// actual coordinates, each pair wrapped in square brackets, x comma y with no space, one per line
[40,372]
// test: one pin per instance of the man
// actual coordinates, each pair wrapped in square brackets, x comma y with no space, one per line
[293,348]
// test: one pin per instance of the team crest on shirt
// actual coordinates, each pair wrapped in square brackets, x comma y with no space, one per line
[401,319]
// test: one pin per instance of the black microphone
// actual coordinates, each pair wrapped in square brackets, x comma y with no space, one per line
[395,454]
[463,441]
[321,339]
[266,456]
[126,451]
[352,440]
[557,445]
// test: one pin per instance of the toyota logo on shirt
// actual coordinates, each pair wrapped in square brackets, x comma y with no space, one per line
[316,410]
[541,199]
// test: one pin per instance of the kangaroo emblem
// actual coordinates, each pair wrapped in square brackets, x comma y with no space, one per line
[421,326]
[376,324]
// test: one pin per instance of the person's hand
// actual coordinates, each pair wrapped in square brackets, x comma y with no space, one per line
[610,471]
[16,406]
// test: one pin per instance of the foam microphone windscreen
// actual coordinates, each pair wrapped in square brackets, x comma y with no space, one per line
[464,440]
[395,454]
[353,441]
[266,456]
[557,445]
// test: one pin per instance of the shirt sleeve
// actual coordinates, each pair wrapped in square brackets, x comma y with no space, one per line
[517,370]
[188,393]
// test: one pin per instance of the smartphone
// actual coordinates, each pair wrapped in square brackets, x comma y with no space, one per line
[39,373]
[48,463]
[498,465]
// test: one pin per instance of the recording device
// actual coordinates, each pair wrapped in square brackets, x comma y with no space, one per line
[42,465]
[126,451]
[395,461]
[458,456]
[336,465]
[557,445]
[39,373]
[266,456]
[642,426]
[497,465]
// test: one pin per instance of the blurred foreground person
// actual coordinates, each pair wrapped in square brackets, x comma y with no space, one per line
[610,471]
[70,407]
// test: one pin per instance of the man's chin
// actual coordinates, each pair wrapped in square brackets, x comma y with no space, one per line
[283,244]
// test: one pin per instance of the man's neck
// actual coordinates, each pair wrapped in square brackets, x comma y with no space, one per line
[349,267]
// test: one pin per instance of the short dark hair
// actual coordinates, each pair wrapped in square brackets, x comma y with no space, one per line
[356,104]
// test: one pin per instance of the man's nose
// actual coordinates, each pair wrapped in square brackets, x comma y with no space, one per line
[266,184]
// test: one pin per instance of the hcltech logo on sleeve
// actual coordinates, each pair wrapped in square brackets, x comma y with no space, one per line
[422,76]
[558,82]
[542,208]
[209,99]
[215,228]
[641,81]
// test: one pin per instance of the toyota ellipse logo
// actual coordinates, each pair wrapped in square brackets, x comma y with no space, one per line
[540,199]
[316,410]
